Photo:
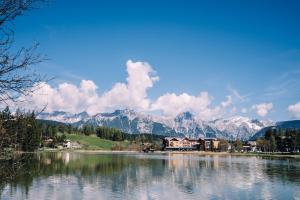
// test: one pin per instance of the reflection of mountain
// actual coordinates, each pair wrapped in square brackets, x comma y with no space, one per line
[186,123]
[152,176]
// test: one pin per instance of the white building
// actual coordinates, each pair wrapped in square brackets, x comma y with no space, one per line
[67,144]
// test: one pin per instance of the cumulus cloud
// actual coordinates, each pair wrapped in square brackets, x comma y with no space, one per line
[171,105]
[71,98]
[66,97]
[294,110]
[130,94]
[262,109]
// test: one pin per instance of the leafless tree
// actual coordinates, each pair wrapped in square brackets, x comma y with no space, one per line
[17,76]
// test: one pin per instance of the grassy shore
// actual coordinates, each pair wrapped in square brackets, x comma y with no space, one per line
[91,142]
[95,143]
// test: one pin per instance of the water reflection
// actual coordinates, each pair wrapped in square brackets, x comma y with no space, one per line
[73,175]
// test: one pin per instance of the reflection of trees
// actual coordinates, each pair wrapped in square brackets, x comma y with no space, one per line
[286,170]
[86,167]
[17,171]
[122,174]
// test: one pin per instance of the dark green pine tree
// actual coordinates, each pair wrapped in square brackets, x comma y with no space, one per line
[32,134]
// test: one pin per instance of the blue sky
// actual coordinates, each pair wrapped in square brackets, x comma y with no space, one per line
[237,48]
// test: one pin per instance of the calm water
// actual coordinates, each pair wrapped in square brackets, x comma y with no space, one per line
[152,176]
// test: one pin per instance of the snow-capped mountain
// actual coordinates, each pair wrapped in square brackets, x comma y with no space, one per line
[186,124]
[129,121]
[238,127]
[65,117]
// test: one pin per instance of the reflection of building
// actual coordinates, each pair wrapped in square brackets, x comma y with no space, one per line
[178,161]
[66,157]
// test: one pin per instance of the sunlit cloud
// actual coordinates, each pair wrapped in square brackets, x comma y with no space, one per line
[294,110]
[133,94]
[262,109]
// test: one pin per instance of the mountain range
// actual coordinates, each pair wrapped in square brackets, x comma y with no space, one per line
[184,124]
[293,124]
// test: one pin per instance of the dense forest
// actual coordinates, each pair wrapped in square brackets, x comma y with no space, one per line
[280,140]
[19,131]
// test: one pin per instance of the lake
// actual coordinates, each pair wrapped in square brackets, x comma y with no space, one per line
[76,175]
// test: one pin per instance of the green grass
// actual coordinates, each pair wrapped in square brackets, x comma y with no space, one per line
[92,142]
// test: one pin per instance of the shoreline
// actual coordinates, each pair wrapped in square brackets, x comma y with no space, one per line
[201,153]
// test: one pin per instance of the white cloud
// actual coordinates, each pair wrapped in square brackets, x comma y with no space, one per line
[71,98]
[262,109]
[228,102]
[130,94]
[171,105]
[295,110]
[66,97]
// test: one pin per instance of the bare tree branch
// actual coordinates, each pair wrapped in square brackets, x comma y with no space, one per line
[16,74]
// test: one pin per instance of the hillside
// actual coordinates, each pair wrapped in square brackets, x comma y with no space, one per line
[294,124]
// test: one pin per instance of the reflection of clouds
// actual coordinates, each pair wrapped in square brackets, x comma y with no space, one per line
[168,176]
[297,195]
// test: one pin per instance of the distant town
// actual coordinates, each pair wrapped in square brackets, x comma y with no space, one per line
[207,144]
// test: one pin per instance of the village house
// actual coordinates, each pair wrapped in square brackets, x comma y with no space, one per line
[211,144]
[187,144]
[67,144]
[250,146]
[180,144]
[48,142]
[253,146]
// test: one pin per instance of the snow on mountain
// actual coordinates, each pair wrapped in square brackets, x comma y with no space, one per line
[126,120]
[238,126]
[186,124]
[64,117]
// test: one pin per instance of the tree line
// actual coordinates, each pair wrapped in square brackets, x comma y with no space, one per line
[51,129]
[19,131]
[117,135]
[280,140]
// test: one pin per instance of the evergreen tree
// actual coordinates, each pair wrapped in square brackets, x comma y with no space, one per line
[238,145]
[273,145]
